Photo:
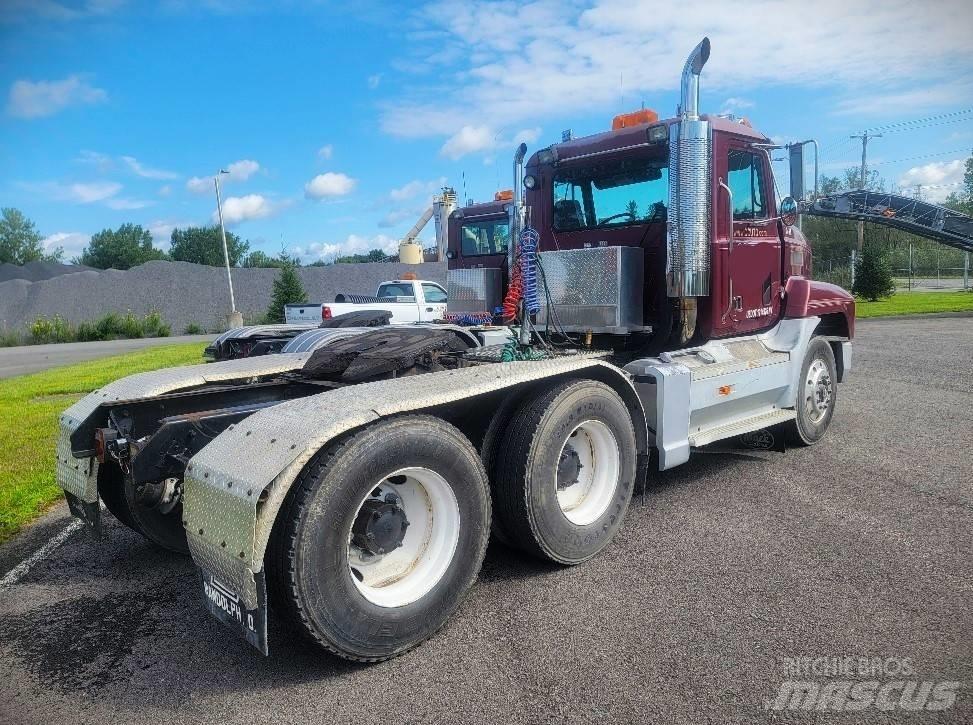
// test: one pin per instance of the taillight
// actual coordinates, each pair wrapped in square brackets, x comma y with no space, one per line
[325,312]
[102,437]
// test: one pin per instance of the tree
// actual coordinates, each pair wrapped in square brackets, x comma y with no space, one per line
[204,245]
[128,246]
[376,255]
[963,201]
[873,274]
[20,242]
[258,258]
[287,290]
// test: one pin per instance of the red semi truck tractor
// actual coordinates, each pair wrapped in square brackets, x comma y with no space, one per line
[655,298]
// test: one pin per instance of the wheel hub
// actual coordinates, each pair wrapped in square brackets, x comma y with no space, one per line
[568,467]
[380,525]
[818,390]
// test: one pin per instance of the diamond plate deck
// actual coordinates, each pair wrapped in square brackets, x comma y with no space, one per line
[236,484]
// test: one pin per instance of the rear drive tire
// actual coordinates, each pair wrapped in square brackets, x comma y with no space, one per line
[817,393]
[566,473]
[344,567]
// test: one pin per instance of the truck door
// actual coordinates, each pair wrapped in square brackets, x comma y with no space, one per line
[433,302]
[747,266]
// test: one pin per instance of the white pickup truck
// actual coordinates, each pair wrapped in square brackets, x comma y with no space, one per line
[409,300]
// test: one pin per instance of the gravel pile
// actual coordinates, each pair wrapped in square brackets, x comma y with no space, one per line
[183,292]
[37,271]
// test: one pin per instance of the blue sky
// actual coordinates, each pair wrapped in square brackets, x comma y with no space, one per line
[338,121]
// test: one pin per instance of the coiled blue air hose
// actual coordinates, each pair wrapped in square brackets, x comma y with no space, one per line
[529,239]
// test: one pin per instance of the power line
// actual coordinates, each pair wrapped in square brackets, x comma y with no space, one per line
[901,124]
[916,158]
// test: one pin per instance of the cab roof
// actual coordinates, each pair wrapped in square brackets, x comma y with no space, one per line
[636,135]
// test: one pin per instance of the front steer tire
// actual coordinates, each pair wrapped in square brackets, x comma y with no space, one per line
[310,557]
[533,478]
[817,393]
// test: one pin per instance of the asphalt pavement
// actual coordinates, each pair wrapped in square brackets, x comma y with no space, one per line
[737,565]
[32,358]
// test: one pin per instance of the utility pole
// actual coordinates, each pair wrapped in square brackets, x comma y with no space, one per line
[864,136]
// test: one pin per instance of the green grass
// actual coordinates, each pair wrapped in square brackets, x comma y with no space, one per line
[29,408]
[915,303]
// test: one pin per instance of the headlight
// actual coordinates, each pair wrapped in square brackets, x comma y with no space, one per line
[530,182]
[658,134]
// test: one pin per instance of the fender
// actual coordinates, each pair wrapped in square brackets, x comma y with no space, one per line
[79,476]
[236,485]
[808,298]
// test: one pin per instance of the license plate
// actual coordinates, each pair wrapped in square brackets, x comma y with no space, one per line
[228,607]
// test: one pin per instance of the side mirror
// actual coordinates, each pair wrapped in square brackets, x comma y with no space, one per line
[788,211]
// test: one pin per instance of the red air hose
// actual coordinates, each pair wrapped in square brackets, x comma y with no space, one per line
[515,292]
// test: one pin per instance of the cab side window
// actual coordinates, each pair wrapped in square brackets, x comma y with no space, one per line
[433,293]
[745,174]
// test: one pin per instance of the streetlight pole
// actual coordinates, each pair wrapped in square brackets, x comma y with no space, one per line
[226,254]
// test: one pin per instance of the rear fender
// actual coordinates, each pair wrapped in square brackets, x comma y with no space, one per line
[236,485]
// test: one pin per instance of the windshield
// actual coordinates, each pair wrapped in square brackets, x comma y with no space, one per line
[487,236]
[609,194]
[395,289]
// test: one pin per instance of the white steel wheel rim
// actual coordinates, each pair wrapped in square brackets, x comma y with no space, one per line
[411,571]
[589,497]
[818,390]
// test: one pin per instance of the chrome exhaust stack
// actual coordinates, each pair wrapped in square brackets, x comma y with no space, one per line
[517,206]
[688,233]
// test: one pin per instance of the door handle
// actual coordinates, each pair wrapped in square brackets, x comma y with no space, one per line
[429,309]
[729,204]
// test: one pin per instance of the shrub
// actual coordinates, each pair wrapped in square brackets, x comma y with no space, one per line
[287,290]
[108,326]
[56,329]
[11,338]
[193,329]
[88,332]
[153,326]
[131,327]
[873,274]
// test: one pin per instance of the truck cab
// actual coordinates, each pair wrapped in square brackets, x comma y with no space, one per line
[613,189]
[479,234]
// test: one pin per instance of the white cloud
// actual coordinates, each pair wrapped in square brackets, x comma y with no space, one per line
[86,193]
[483,139]
[22,10]
[242,170]
[102,162]
[145,172]
[468,140]
[72,242]
[352,244]
[417,188]
[165,190]
[515,63]
[374,80]
[396,216]
[125,204]
[237,209]
[237,171]
[735,105]
[326,151]
[329,184]
[30,99]
[161,231]
[942,176]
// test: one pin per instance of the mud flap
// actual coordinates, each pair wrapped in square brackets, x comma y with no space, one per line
[227,606]
[89,513]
